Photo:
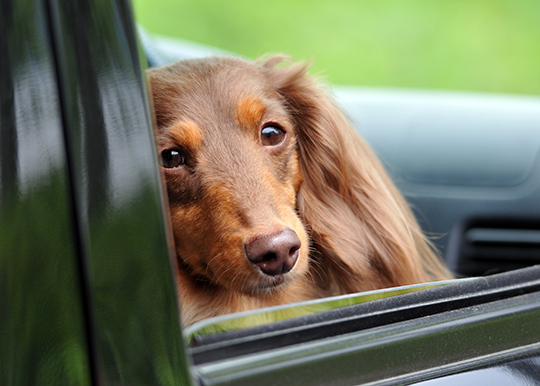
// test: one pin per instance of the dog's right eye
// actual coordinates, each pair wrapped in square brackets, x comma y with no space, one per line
[172,158]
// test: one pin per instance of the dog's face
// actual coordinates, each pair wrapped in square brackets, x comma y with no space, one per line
[228,151]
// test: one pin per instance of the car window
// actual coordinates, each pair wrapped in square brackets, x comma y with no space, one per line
[468,164]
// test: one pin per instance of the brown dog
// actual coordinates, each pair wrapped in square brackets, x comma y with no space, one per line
[273,196]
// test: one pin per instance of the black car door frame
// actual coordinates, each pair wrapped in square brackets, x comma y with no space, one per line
[87,295]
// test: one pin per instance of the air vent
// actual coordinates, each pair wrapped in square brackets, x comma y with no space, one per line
[503,237]
[486,250]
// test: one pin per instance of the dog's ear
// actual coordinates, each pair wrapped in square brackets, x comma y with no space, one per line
[364,233]
[161,84]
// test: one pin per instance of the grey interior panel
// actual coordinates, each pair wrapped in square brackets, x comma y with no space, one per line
[468,163]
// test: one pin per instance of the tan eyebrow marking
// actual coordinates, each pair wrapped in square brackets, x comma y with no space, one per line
[249,111]
[187,133]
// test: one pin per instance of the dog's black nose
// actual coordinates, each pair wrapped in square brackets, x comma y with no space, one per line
[274,254]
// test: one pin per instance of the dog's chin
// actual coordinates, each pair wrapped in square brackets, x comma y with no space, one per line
[267,285]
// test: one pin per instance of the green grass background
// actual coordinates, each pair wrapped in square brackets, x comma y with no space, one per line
[480,45]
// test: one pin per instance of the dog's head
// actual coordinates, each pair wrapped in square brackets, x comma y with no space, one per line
[261,167]
[228,150]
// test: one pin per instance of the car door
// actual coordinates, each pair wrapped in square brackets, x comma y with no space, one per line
[87,294]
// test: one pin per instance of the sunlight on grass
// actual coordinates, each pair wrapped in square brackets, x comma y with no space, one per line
[468,45]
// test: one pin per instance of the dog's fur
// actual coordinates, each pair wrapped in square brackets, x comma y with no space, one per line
[323,182]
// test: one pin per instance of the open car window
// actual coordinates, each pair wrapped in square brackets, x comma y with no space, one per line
[468,163]
[471,169]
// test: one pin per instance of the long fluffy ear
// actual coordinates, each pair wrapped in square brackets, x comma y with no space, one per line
[365,235]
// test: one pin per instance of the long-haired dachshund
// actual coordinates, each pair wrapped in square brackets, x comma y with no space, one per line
[273,196]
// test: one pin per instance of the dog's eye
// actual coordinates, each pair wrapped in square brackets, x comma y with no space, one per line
[172,158]
[272,135]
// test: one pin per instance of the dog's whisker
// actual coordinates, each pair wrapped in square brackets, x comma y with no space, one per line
[212,260]
[223,273]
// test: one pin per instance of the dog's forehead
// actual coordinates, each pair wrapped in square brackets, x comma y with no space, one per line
[225,81]
[241,87]
[226,90]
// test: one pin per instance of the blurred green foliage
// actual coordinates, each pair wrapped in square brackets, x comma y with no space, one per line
[480,45]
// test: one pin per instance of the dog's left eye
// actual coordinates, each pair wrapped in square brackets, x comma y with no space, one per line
[272,135]
[172,158]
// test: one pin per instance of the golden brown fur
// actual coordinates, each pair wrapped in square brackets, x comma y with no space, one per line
[323,182]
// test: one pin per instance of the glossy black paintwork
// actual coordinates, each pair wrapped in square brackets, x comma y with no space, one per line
[117,193]
[86,290]
[42,326]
